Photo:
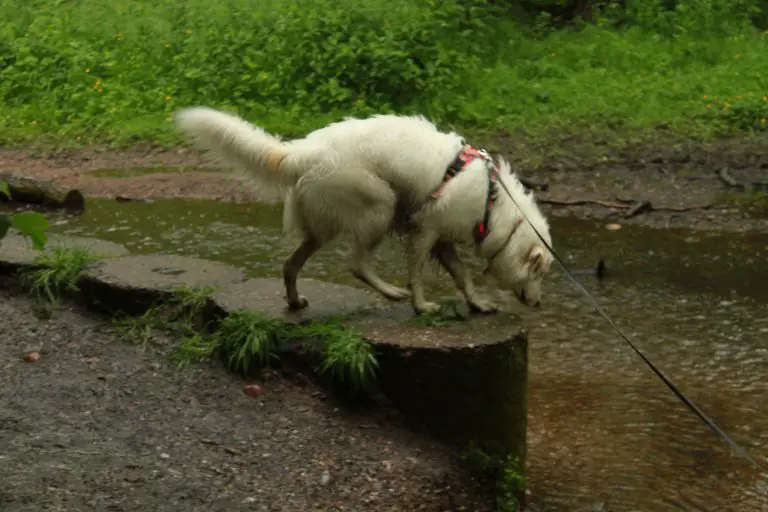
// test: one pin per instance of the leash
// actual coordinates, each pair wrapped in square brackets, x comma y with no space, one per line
[672,387]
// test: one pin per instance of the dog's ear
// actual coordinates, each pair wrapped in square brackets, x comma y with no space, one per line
[535,258]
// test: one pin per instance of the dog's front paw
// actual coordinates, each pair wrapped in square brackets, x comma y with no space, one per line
[301,302]
[426,308]
[483,306]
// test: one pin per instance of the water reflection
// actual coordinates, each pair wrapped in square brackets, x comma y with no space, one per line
[605,434]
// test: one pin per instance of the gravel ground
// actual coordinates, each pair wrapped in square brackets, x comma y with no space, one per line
[98,424]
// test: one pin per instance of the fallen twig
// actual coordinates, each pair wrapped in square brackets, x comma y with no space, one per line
[583,202]
[633,208]
[725,177]
[638,208]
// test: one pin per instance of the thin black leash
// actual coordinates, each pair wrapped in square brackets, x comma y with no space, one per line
[698,412]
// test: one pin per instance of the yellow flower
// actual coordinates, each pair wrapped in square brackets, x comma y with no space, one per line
[553,54]
[189,32]
[765,99]
[705,97]
[168,98]
[167,45]
[762,122]
[87,70]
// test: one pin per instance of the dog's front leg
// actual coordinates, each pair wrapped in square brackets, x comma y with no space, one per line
[419,245]
[448,257]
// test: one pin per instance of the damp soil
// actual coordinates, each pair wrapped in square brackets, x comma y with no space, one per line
[99,424]
[670,174]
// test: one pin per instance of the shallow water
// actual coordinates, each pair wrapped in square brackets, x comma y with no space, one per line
[604,432]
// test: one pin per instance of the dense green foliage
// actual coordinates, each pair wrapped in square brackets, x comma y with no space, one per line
[114,71]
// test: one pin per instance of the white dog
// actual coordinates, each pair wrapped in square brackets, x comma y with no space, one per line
[370,177]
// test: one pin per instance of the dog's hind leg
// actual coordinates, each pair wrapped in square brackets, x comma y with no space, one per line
[448,257]
[291,269]
[361,268]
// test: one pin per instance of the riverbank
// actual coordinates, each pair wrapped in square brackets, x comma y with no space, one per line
[718,185]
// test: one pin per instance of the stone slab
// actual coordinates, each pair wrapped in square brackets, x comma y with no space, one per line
[133,283]
[465,383]
[266,296]
[17,251]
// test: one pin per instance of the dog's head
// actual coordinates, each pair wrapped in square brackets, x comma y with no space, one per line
[522,267]
[524,260]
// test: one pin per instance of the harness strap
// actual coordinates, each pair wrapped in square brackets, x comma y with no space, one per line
[465,157]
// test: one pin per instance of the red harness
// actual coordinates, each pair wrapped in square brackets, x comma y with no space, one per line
[465,157]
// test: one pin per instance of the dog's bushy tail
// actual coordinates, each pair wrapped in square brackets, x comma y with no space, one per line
[261,157]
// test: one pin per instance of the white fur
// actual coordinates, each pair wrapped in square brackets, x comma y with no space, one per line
[351,177]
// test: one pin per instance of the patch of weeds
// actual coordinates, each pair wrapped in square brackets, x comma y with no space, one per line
[137,330]
[748,112]
[58,272]
[247,340]
[504,474]
[194,348]
[450,313]
[177,315]
[348,358]
[246,337]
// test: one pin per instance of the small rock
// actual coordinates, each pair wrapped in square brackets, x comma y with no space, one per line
[91,360]
[326,478]
[32,357]
[232,451]
[165,456]
[613,226]
[133,478]
[253,390]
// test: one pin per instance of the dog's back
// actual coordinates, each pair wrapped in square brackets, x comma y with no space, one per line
[409,153]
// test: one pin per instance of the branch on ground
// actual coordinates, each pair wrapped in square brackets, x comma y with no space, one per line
[631,209]
[724,175]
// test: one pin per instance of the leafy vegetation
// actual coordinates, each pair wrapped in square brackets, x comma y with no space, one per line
[113,72]
[33,225]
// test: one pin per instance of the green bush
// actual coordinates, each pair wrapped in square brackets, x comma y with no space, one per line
[95,71]
[81,65]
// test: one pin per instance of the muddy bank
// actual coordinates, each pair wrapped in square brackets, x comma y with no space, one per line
[101,424]
[607,177]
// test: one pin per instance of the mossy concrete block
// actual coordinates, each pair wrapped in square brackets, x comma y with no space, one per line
[465,382]
[266,296]
[132,284]
[17,251]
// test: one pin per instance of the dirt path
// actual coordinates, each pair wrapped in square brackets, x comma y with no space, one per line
[679,180]
[98,424]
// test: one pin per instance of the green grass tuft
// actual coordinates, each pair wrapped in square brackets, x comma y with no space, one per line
[349,359]
[59,270]
[247,339]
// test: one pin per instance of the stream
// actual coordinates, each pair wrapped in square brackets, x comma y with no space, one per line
[604,433]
